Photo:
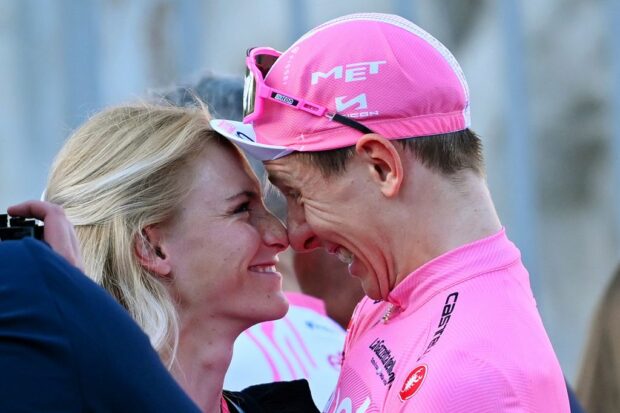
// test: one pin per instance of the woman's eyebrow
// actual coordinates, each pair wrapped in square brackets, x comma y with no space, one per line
[243,194]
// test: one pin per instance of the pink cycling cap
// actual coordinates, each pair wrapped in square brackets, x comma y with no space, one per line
[379,69]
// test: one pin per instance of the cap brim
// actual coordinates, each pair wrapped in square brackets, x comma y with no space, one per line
[243,135]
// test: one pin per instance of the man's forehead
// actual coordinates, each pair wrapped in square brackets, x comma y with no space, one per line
[284,171]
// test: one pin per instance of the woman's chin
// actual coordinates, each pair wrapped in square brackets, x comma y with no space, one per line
[275,307]
[281,306]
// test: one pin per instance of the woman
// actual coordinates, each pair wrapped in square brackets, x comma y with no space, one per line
[171,221]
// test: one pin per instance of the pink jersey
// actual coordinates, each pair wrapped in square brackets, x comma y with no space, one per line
[460,334]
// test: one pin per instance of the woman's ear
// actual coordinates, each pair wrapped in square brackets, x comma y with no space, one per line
[383,161]
[149,252]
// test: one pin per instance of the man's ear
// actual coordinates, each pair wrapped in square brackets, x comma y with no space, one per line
[149,252]
[384,162]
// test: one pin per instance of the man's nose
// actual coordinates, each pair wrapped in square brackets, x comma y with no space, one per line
[300,234]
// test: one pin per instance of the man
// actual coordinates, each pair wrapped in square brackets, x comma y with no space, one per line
[363,124]
[65,344]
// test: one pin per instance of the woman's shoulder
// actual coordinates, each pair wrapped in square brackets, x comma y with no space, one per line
[277,397]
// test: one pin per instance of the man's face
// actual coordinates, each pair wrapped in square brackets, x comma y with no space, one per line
[336,213]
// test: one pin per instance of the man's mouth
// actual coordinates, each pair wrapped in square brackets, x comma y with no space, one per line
[344,255]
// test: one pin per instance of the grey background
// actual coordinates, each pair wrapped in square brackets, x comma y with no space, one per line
[545,86]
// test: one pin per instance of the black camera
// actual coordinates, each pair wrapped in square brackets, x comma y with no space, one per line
[13,228]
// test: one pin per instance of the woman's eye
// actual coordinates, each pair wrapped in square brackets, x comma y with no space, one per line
[244,207]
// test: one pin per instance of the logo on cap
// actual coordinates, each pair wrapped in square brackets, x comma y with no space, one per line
[413,382]
[243,136]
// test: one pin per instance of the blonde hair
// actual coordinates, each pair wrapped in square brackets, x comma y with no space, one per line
[118,173]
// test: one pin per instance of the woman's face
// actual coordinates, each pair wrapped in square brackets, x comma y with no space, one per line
[222,244]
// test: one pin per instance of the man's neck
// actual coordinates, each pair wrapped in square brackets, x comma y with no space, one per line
[447,215]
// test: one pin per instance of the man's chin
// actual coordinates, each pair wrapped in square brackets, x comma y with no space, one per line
[373,295]
[367,279]
[357,269]
[371,289]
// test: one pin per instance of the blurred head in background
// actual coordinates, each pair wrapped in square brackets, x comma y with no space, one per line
[598,384]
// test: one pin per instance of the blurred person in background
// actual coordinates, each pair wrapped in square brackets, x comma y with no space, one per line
[307,342]
[598,384]
[65,344]
[323,275]
[363,124]
[171,221]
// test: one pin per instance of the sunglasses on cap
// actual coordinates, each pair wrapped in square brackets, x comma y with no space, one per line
[259,61]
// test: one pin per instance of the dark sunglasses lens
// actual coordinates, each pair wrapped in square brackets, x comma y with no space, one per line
[249,93]
[264,63]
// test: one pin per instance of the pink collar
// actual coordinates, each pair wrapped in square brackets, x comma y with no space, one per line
[453,267]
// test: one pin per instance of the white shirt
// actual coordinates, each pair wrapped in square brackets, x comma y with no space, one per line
[306,343]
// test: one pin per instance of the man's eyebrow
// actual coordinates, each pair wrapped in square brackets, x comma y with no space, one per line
[276,180]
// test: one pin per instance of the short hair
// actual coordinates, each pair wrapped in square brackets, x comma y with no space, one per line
[447,153]
[118,173]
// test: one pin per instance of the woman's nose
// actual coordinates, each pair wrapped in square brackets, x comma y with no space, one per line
[274,233]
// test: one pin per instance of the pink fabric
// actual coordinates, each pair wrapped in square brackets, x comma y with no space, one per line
[464,336]
[306,301]
[385,72]
[378,69]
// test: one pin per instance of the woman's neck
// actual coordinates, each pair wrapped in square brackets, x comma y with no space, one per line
[202,358]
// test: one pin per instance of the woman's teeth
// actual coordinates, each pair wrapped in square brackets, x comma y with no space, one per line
[263,268]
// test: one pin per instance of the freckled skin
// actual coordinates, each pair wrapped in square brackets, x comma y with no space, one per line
[219,234]
[331,212]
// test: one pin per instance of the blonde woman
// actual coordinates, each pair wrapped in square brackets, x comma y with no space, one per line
[171,221]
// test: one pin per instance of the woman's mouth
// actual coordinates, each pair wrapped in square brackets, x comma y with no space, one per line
[264,268]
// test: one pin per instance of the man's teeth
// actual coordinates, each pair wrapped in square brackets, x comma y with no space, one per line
[263,268]
[344,255]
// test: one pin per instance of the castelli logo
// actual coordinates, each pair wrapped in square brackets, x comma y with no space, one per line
[413,382]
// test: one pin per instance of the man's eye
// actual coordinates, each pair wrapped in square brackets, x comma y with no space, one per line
[295,195]
[244,207]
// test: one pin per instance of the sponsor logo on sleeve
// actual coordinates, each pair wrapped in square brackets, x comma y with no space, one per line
[383,353]
[446,313]
[413,382]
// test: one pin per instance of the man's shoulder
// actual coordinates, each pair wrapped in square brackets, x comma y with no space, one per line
[475,381]
[422,385]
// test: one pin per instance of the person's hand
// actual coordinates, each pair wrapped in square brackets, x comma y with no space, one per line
[58,233]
